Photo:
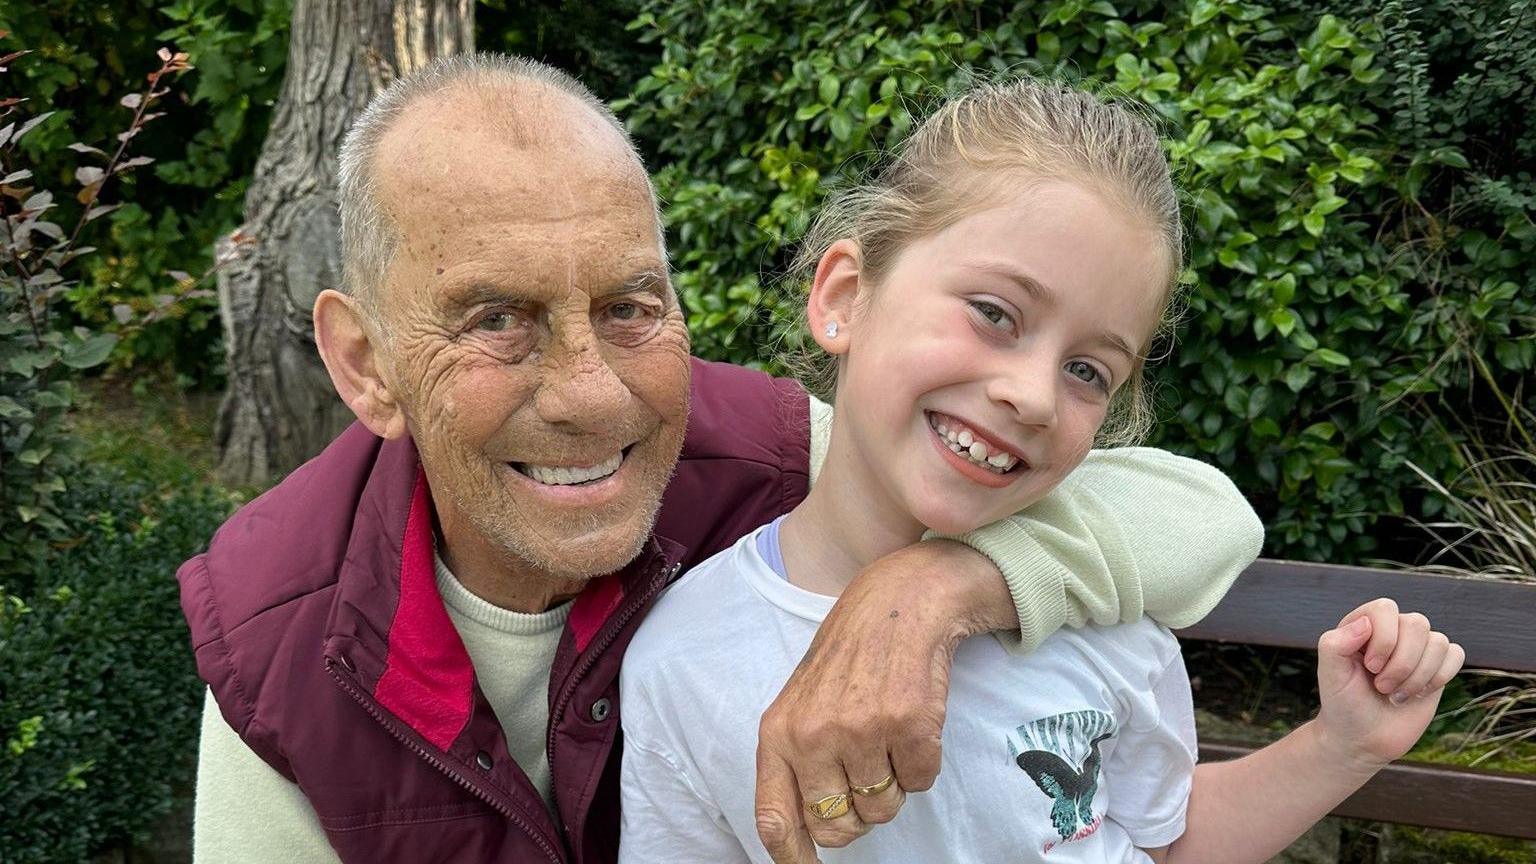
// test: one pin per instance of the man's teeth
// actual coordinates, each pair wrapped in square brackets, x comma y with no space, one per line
[965,442]
[557,476]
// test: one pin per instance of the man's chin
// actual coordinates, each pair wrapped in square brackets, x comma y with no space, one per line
[581,558]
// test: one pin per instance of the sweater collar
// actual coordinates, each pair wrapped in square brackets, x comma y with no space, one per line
[388,625]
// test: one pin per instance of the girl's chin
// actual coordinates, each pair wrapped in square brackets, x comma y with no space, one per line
[943,513]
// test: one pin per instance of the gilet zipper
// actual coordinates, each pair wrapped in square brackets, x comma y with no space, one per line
[421,750]
[589,657]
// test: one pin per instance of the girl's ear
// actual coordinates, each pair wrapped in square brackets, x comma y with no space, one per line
[834,296]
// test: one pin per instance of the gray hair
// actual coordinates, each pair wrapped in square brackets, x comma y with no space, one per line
[368,237]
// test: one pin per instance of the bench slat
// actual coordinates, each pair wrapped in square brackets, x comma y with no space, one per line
[1432,796]
[1288,604]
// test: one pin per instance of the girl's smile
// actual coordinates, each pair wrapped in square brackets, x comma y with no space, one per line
[999,341]
[973,454]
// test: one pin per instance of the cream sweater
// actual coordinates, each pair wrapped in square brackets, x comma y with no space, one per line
[1131,531]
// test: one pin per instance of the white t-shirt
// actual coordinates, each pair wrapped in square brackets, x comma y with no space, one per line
[1019,781]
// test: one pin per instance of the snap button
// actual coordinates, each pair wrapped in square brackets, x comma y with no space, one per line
[483,759]
[600,709]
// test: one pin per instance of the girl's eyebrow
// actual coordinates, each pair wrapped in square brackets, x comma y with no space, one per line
[1040,293]
[1034,288]
[1113,342]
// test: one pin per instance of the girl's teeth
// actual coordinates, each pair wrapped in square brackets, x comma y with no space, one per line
[963,442]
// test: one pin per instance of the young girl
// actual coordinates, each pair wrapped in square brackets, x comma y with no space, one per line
[989,301]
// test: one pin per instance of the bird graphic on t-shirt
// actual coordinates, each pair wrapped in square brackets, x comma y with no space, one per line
[1071,790]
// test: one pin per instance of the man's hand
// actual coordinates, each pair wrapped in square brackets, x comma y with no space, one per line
[1380,675]
[867,701]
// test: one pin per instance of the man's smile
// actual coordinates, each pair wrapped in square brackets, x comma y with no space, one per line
[571,475]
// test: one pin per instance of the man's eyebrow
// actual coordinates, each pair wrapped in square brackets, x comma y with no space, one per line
[648,281]
[459,298]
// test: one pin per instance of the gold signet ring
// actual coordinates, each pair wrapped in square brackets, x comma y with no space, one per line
[877,788]
[830,807]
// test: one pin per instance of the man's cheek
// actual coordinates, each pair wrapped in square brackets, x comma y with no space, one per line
[659,373]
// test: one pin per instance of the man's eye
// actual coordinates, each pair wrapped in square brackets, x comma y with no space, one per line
[497,322]
[626,311]
[629,322]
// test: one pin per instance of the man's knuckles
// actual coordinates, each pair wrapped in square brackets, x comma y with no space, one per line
[882,808]
[835,834]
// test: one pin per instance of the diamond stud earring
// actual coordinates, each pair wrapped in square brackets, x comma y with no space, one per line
[831,329]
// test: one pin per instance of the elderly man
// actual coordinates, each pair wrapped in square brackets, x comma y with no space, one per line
[412,643]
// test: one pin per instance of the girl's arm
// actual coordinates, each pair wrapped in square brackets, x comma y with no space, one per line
[1132,531]
[1280,791]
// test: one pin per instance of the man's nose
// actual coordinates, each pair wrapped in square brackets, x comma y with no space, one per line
[1029,389]
[580,389]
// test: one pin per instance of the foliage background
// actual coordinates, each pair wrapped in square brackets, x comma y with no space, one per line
[1362,289]
[1360,205]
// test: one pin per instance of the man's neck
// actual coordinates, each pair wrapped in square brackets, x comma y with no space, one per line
[844,525]
[500,578]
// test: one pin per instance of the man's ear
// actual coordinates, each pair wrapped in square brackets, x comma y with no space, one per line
[834,296]
[345,339]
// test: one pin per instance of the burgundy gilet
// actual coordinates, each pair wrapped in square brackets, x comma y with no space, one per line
[316,621]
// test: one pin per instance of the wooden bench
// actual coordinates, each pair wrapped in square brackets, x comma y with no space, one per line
[1286,604]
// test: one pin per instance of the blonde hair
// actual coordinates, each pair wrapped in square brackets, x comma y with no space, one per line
[946,170]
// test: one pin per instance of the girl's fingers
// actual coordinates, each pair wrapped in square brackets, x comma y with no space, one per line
[1412,636]
[1383,614]
[1435,648]
[1455,655]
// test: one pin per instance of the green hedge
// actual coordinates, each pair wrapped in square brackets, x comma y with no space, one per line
[1360,207]
[99,698]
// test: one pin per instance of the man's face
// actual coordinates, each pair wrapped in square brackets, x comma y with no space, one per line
[531,334]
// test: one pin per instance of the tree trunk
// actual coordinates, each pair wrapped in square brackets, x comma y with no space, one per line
[280,408]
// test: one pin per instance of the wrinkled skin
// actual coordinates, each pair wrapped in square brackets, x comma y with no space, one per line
[527,318]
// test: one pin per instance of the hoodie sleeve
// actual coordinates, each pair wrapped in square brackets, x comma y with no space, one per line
[1133,531]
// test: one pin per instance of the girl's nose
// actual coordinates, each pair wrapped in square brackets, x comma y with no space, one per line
[1029,390]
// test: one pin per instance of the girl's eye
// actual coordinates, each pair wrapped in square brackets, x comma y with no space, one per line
[993,313]
[1087,373]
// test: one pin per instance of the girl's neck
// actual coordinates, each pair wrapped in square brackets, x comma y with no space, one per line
[844,525]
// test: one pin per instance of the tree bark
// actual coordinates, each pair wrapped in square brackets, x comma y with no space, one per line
[280,408]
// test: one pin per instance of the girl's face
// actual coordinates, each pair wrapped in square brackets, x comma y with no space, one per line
[976,376]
